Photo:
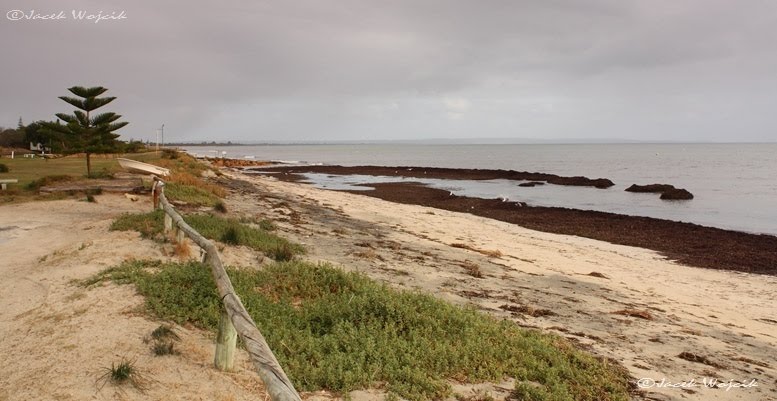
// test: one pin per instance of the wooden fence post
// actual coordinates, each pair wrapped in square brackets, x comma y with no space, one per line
[226,341]
[168,223]
[179,236]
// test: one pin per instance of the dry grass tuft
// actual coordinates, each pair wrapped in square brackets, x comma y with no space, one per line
[369,253]
[753,362]
[472,269]
[490,253]
[182,250]
[689,356]
[527,310]
[690,331]
[186,178]
[642,314]
[123,372]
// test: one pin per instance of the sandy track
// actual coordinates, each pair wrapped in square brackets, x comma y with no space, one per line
[726,317]
[57,337]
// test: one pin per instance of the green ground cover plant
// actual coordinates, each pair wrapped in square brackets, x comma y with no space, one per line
[342,331]
[227,230]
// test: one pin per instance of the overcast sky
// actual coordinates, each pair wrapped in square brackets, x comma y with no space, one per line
[290,70]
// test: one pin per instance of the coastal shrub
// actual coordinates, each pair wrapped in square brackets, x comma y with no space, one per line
[164,333]
[231,236]
[149,225]
[123,372]
[187,178]
[190,194]
[163,340]
[220,207]
[227,230]
[341,331]
[267,225]
[169,153]
[182,163]
[264,224]
[233,232]
[4,168]
[161,348]
[48,180]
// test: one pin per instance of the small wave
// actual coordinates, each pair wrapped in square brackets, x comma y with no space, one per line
[296,162]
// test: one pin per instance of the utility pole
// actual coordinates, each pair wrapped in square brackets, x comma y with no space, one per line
[160,134]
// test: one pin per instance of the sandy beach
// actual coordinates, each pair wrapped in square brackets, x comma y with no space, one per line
[625,303]
[573,286]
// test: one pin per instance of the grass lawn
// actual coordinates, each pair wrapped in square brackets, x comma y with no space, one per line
[185,183]
[27,170]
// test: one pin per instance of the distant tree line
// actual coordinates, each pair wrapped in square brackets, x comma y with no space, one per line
[33,133]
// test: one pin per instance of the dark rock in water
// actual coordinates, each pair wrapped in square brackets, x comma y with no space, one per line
[652,188]
[668,192]
[676,194]
[531,184]
[581,181]
[602,183]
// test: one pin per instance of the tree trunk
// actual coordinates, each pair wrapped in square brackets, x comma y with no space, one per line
[88,166]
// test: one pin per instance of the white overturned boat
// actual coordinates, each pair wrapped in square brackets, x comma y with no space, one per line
[142,168]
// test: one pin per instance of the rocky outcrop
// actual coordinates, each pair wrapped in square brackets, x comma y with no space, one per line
[531,184]
[601,183]
[676,194]
[668,192]
[652,188]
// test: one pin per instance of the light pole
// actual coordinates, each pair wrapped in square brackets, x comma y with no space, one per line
[160,134]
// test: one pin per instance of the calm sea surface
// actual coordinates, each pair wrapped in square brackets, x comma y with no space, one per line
[735,185]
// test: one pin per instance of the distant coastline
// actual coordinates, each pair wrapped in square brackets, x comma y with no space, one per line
[461,141]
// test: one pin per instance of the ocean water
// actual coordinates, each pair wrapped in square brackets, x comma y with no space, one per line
[734,185]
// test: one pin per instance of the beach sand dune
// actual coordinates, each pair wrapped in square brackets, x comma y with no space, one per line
[58,337]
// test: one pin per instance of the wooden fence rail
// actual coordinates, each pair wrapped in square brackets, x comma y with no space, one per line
[234,317]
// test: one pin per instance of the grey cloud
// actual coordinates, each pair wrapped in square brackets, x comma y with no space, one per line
[696,70]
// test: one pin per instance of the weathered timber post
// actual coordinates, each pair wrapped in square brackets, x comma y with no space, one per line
[168,223]
[156,188]
[226,340]
[180,236]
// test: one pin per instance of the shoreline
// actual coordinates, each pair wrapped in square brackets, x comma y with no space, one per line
[686,243]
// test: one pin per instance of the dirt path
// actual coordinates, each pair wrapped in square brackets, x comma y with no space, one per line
[625,303]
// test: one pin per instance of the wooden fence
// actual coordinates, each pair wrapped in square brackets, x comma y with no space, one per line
[235,320]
